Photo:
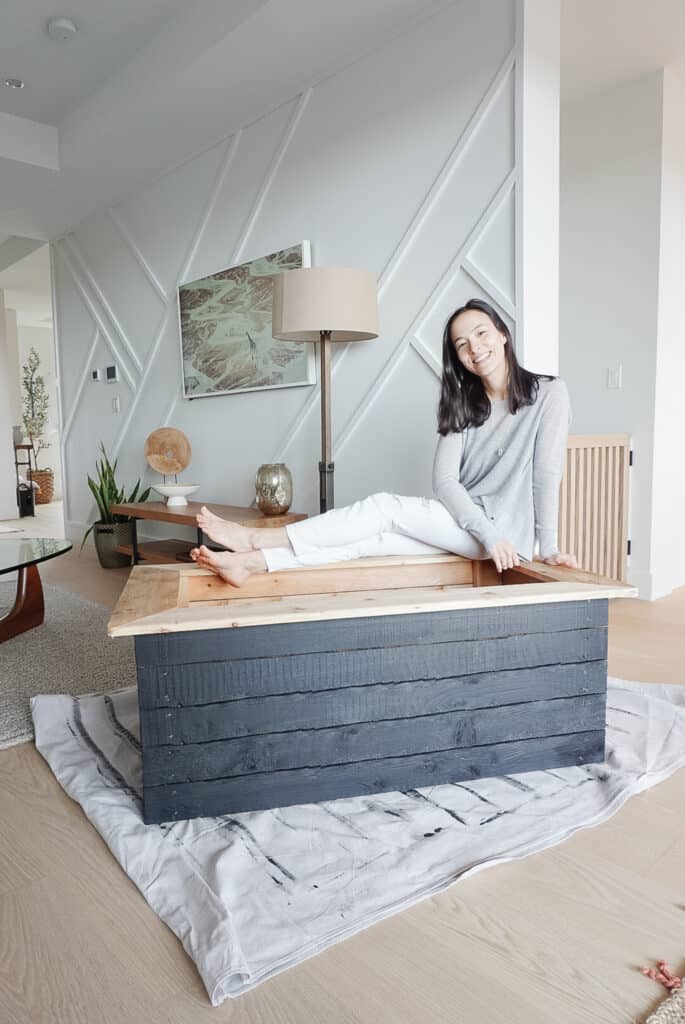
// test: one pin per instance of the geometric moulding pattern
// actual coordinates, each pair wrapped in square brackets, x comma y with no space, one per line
[225,324]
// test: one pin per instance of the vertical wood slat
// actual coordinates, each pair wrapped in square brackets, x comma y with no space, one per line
[593,502]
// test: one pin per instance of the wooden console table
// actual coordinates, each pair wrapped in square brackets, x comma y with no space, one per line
[177,550]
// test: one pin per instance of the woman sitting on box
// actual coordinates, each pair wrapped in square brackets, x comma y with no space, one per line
[496,475]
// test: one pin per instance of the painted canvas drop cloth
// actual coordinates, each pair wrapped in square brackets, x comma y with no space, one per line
[250,895]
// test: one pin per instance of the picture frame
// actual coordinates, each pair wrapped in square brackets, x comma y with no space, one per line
[224,322]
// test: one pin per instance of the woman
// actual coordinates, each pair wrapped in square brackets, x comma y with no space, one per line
[496,474]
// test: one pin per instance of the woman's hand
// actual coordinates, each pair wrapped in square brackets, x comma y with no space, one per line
[504,555]
[562,559]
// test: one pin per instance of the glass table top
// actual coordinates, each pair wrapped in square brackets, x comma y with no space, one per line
[15,552]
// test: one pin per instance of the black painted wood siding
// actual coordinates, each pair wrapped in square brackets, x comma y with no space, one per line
[242,719]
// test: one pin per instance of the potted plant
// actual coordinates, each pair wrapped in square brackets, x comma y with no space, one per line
[111,531]
[35,401]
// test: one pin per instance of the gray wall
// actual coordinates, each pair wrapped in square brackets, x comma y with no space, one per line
[404,164]
[609,277]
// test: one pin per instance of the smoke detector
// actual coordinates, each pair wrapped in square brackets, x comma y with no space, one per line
[61,29]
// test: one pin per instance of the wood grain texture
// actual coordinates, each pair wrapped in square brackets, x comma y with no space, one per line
[307,785]
[187,515]
[363,743]
[324,708]
[28,610]
[197,682]
[450,626]
[348,577]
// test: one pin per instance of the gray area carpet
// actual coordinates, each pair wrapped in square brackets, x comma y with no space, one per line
[69,653]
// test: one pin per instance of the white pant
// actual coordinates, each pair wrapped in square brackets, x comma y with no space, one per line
[382,524]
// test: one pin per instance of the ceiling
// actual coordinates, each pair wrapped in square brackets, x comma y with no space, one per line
[147,84]
[60,76]
[606,42]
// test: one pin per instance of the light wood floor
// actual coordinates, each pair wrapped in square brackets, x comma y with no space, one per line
[556,938]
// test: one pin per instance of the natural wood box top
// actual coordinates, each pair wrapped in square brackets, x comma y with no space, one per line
[170,598]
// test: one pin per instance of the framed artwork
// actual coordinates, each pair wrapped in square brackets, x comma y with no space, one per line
[225,330]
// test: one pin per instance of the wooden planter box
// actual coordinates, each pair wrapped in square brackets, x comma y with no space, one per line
[360,678]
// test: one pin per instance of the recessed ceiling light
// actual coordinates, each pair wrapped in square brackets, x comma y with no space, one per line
[13,83]
[61,29]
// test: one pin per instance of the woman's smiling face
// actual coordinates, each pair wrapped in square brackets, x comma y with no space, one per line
[478,343]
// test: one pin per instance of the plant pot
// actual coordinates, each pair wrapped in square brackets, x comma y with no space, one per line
[46,481]
[108,537]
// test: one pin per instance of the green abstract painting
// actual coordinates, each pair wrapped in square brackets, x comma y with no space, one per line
[225,327]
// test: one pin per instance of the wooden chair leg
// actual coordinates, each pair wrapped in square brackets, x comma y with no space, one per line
[29,609]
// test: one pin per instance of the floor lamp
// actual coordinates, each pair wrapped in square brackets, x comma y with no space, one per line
[328,305]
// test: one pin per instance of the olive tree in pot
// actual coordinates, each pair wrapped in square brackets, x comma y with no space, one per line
[35,401]
[111,531]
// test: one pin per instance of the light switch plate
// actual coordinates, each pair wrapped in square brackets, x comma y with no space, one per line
[615,376]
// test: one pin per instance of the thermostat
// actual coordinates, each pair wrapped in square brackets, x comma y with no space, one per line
[111,374]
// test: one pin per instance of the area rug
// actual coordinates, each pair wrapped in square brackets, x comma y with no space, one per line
[69,653]
[250,895]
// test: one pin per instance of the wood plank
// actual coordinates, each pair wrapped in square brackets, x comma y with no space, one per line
[485,573]
[165,649]
[160,551]
[145,590]
[311,785]
[324,708]
[251,677]
[368,741]
[346,577]
[187,514]
[405,603]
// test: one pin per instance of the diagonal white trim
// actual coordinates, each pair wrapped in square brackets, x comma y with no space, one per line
[170,411]
[489,287]
[111,344]
[74,248]
[434,299]
[431,361]
[435,191]
[84,377]
[271,173]
[450,165]
[138,255]
[259,201]
[231,150]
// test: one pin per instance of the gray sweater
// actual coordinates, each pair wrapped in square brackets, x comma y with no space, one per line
[500,481]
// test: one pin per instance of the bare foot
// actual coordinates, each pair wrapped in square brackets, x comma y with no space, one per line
[234,568]
[231,535]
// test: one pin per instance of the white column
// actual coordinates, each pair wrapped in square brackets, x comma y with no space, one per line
[537,197]
[12,345]
[668,479]
[8,495]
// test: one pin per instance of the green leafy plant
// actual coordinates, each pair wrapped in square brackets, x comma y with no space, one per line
[35,401]
[106,492]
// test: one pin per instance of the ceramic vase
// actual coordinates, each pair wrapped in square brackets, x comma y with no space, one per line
[274,488]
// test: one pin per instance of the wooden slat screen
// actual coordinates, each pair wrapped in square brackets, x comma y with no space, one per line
[593,503]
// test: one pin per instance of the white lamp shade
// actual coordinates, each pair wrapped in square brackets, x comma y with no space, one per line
[314,299]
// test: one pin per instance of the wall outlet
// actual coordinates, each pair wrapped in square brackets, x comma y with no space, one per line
[615,376]
[116,406]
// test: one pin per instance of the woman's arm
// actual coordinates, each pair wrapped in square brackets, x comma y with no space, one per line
[549,455]
[453,494]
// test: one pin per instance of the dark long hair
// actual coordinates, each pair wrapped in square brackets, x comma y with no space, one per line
[463,399]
